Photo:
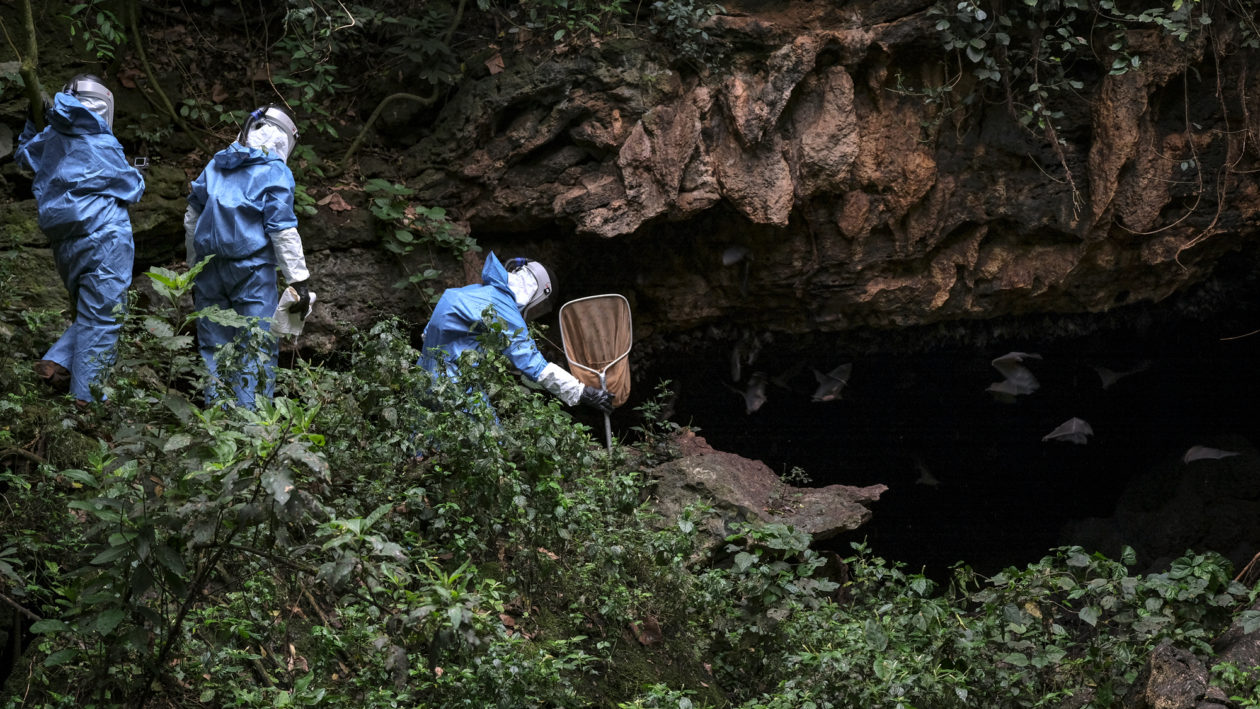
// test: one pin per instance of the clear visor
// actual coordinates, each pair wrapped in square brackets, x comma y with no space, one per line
[271,139]
[540,300]
[102,104]
[523,285]
[273,131]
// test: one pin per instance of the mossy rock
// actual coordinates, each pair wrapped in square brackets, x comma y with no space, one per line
[21,226]
[31,281]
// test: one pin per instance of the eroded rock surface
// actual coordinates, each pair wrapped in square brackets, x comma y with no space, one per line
[742,490]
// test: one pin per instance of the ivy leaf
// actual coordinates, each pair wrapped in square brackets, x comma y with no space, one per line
[1089,614]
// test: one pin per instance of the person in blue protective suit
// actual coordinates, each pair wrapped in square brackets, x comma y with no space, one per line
[518,292]
[82,187]
[240,211]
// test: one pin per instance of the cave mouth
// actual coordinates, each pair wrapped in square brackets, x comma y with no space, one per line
[916,412]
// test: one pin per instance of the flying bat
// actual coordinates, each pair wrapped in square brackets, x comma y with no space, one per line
[754,394]
[925,476]
[1073,430]
[1205,453]
[734,254]
[832,383]
[1110,376]
[745,353]
[1018,379]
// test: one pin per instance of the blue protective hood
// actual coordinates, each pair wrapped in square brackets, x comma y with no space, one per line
[236,155]
[494,274]
[70,117]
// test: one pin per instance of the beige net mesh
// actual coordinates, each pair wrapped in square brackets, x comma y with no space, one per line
[596,333]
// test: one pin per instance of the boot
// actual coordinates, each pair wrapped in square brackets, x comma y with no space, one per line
[57,376]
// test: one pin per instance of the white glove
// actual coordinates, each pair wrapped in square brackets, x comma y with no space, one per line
[289,255]
[191,215]
[559,382]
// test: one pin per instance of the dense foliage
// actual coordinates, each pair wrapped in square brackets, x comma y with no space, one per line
[374,539]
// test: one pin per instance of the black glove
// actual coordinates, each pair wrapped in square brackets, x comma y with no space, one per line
[303,303]
[596,399]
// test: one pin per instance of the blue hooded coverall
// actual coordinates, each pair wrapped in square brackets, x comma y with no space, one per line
[456,324]
[82,186]
[244,194]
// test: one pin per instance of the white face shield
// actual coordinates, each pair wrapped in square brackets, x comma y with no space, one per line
[94,96]
[271,139]
[271,129]
[523,286]
[531,286]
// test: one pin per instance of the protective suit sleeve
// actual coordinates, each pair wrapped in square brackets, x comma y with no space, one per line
[559,382]
[289,256]
[191,215]
[28,131]
[22,155]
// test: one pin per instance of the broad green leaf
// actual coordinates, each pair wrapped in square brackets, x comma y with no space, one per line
[179,441]
[107,621]
[60,657]
[280,484]
[1017,659]
[1089,614]
[110,555]
[171,559]
[81,477]
[48,625]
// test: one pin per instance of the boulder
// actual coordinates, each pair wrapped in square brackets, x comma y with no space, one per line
[743,490]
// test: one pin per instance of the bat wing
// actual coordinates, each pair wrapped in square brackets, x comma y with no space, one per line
[829,387]
[1011,361]
[1019,377]
[1073,430]
[842,373]
[1205,453]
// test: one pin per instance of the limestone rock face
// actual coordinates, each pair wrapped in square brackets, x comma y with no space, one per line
[742,490]
[813,145]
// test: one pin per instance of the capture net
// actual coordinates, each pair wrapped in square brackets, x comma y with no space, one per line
[596,333]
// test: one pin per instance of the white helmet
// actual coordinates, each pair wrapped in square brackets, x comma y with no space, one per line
[92,93]
[271,128]
[532,285]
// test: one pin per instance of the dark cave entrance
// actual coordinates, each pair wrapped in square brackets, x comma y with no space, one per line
[917,409]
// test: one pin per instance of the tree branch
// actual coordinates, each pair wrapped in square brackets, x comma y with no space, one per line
[358,139]
[422,100]
[134,13]
[30,64]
